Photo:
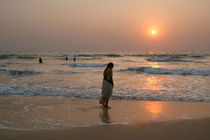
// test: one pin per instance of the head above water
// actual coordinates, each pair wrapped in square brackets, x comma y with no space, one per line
[110,65]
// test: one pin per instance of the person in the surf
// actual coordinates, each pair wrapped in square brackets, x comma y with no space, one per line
[40,60]
[107,85]
[74,59]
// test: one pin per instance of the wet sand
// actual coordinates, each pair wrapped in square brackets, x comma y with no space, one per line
[159,130]
[57,118]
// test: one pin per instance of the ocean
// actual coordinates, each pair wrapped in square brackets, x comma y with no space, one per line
[148,76]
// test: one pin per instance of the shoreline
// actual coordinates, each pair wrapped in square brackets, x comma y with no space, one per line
[195,129]
[55,117]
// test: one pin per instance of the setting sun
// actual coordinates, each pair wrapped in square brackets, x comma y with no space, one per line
[154,32]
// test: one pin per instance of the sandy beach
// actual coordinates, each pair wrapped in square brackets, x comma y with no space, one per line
[42,117]
[159,130]
[105,70]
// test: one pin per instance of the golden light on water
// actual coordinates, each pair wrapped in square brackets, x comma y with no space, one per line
[154,107]
[154,65]
[153,83]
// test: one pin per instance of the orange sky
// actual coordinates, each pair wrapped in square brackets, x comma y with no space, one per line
[78,25]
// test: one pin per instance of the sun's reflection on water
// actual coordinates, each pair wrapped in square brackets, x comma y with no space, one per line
[154,108]
[154,65]
[153,83]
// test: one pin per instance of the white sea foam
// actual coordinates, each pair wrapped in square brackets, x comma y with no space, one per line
[19,72]
[86,65]
[151,70]
[161,59]
[94,93]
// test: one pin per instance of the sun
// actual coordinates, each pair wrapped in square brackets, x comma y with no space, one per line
[153,32]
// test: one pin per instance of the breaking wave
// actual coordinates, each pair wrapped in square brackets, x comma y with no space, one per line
[162,59]
[18,56]
[172,55]
[168,59]
[95,55]
[95,93]
[86,65]
[151,70]
[5,56]
[19,72]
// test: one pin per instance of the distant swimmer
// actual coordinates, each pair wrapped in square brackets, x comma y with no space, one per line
[107,85]
[74,59]
[40,60]
[66,58]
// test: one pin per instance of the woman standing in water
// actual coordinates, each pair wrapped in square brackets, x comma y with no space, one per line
[107,85]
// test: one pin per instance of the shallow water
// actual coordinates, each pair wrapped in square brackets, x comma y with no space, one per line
[137,76]
[20,112]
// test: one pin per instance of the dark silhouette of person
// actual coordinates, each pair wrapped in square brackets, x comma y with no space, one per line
[107,85]
[66,58]
[40,60]
[74,59]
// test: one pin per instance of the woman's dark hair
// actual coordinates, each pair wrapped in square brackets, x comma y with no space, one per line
[110,65]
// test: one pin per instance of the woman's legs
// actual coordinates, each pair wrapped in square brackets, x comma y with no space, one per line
[107,103]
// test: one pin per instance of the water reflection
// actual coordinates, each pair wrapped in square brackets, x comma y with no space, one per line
[155,108]
[153,83]
[154,65]
[104,115]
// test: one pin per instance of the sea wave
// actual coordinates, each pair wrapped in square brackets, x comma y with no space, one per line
[65,72]
[19,72]
[78,58]
[18,56]
[151,70]
[27,56]
[171,59]
[37,89]
[95,55]
[161,59]
[171,55]
[95,93]
[86,65]
[99,55]
[5,56]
